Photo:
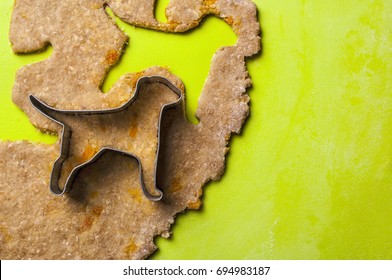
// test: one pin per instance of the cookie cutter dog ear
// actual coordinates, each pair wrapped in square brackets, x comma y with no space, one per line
[66,135]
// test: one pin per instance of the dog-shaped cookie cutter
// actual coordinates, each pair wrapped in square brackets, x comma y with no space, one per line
[66,135]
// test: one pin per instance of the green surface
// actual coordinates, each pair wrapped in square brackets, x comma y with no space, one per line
[311,175]
[187,55]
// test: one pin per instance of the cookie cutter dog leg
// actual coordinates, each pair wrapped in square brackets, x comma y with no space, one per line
[66,135]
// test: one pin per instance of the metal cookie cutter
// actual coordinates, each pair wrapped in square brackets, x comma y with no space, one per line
[66,135]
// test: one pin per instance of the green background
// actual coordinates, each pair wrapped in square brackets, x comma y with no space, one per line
[310,177]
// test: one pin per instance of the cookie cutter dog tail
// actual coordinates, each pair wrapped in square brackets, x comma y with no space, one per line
[66,135]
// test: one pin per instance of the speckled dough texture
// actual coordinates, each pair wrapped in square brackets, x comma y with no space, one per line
[106,216]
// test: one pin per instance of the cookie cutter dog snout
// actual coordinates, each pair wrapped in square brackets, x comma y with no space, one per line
[66,135]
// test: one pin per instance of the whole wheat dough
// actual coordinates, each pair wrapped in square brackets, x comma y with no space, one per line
[106,216]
